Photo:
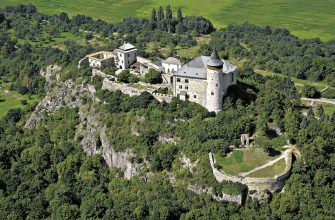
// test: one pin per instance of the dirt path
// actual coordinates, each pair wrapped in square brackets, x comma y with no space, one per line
[265,165]
[328,101]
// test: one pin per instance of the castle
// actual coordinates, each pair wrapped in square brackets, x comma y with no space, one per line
[204,80]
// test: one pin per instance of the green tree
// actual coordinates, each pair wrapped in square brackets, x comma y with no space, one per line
[291,122]
[168,13]
[310,92]
[160,16]
[124,76]
[153,77]
[153,16]
[179,15]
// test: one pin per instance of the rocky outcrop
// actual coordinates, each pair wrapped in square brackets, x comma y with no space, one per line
[119,160]
[59,94]
[187,163]
[89,132]
[217,197]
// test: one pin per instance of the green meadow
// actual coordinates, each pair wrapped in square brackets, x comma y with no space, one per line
[12,99]
[304,18]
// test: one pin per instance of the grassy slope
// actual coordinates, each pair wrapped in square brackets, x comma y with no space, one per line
[11,99]
[243,160]
[270,171]
[304,18]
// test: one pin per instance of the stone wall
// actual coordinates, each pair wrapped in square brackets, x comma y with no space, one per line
[196,87]
[272,184]
[129,90]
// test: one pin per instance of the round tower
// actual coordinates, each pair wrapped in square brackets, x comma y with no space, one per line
[214,82]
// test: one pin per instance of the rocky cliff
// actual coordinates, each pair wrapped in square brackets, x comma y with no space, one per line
[90,132]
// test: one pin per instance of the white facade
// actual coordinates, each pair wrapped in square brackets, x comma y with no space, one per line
[204,81]
[126,56]
[171,65]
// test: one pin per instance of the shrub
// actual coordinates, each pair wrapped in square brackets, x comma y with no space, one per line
[310,92]
[24,102]
[153,77]
[124,76]
[329,94]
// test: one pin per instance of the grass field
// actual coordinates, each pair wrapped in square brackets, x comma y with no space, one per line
[243,160]
[11,99]
[306,19]
[270,171]
[299,83]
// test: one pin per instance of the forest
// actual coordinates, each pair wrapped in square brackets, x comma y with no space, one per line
[45,174]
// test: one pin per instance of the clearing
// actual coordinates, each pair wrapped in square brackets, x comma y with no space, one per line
[306,19]
[243,160]
[11,99]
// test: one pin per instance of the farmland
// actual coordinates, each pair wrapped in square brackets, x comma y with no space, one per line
[301,17]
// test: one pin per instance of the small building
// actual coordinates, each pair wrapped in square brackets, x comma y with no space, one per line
[101,59]
[126,56]
[204,80]
[171,65]
[145,65]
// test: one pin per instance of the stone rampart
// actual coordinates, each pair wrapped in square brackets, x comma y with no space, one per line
[272,184]
[129,90]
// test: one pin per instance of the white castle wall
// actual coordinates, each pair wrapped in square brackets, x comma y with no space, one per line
[214,89]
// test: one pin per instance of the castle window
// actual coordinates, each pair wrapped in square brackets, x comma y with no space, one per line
[186,80]
[212,93]
[194,96]
[186,87]
[232,77]
[178,79]
[217,85]
[128,61]
[180,86]
[128,55]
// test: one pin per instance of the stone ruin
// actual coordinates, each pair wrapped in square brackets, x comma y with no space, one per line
[245,140]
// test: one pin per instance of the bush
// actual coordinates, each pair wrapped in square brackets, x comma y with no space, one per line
[22,90]
[124,76]
[310,92]
[153,77]
[23,102]
[97,82]
[14,115]
[133,79]
[329,94]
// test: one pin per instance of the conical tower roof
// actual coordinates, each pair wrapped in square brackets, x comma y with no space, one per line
[215,60]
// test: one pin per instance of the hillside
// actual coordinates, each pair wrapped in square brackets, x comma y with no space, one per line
[301,17]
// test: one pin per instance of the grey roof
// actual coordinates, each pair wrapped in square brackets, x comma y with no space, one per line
[172,60]
[197,68]
[215,60]
[127,46]
[157,62]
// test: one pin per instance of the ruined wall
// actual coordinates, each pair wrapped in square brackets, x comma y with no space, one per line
[272,184]
[129,90]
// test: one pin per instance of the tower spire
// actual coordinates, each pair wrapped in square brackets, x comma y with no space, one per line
[215,60]
[215,54]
